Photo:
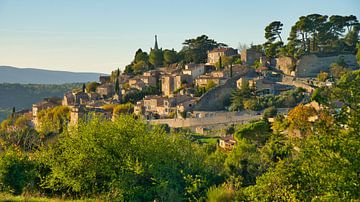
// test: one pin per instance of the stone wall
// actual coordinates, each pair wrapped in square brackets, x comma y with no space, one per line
[214,99]
[312,65]
[220,119]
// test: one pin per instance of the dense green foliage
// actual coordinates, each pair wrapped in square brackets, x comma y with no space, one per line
[313,33]
[195,50]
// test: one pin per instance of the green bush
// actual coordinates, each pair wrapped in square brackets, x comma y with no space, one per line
[17,171]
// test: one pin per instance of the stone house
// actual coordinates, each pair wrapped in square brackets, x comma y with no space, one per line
[227,142]
[171,83]
[161,107]
[69,99]
[203,80]
[106,90]
[46,103]
[81,97]
[262,86]
[215,54]
[194,70]
[250,55]
[77,98]
[81,112]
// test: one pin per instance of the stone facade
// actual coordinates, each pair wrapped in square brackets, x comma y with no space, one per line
[250,55]
[170,83]
[311,65]
[106,90]
[194,70]
[215,54]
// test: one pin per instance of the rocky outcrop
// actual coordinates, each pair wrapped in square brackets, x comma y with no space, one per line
[312,64]
[286,64]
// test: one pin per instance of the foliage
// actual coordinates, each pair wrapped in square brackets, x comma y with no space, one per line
[125,160]
[323,76]
[210,84]
[272,32]
[337,70]
[17,171]
[195,50]
[270,112]
[358,53]
[299,119]
[170,57]
[245,99]
[127,108]
[227,61]
[156,57]
[221,193]
[91,87]
[315,32]
[53,120]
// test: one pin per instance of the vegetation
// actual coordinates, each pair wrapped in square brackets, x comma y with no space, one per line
[313,33]
[246,98]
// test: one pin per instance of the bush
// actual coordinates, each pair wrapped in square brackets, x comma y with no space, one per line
[17,172]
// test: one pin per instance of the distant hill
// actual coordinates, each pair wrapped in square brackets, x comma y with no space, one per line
[22,96]
[39,76]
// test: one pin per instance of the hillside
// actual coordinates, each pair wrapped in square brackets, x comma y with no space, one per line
[22,96]
[39,76]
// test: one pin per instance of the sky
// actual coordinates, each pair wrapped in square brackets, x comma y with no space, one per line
[100,36]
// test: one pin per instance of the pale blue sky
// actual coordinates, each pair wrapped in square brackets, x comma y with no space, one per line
[99,36]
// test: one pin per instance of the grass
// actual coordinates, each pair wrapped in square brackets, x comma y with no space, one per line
[205,139]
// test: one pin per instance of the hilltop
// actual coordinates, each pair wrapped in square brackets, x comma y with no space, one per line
[10,74]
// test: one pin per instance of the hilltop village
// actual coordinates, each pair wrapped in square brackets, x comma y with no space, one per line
[209,87]
[200,96]
[269,122]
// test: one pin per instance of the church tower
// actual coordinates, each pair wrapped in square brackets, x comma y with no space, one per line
[156,47]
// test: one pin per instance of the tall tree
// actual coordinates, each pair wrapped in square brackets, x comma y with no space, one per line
[156,57]
[195,50]
[170,57]
[273,31]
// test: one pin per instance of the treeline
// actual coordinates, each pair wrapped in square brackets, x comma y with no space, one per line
[313,33]
[312,154]
[194,50]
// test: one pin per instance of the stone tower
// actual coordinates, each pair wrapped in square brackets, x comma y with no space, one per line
[156,47]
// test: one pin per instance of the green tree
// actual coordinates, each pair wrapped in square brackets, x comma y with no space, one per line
[141,56]
[358,53]
[322,76]
[156,57]
[125,160]
[195,50]
[91,87]
[170,56]
[17,172]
